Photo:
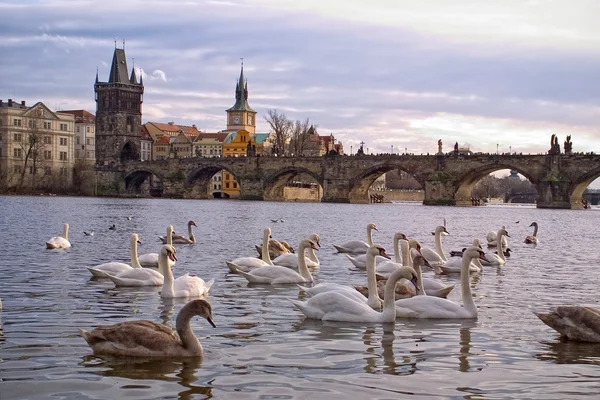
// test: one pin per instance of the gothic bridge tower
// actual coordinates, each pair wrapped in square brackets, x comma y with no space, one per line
[118,113]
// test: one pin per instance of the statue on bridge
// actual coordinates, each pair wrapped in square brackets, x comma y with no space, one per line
[360,151]
[554,146]
[568,145]
[439,146]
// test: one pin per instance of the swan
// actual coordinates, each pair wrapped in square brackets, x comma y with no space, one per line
[579,323]
[246,264]
[276,248]
[180,239]
[60,242]
[532,239]
[275,274]
[454,265]
[150,260]
[145,338]
[115,267]
[432,287]
[436,257]
[136,276]
[492,241]
[360,261]
[185,285]
[372,297]
[290,260]
[168,239]
[506,252]
[436,307]
[357,246]
[336,306]
[500,258]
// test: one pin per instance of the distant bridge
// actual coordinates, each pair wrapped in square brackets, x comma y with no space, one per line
[447,179]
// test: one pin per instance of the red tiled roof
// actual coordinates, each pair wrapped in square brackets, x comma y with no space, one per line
[164,140]
[218,136]
[80,115]
[146,134]
[187,130]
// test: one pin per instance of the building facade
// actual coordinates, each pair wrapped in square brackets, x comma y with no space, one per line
[85,136]
[118,113]
[146,143]
[36,147]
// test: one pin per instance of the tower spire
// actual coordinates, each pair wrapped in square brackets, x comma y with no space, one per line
[241,93]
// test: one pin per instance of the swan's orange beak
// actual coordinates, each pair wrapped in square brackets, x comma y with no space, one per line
[314,246]
[172,257]
[482,256]
[382,253]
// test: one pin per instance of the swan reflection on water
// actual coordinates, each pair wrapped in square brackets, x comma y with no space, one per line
[571,352]
[180,371]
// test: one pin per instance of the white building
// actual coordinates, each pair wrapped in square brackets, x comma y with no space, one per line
[85,136]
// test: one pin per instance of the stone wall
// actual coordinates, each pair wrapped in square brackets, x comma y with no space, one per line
[302,194]
[400,195]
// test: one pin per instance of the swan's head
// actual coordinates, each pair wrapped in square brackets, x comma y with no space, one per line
[476,243]
[315,238]
[421,261]
[135,238]
[371,227]
[400,236]
[309,243]
[407,273]
[414,244]
[201,308]
[377,250]
[441,229]
[475,252]
[267,233]
[192,223]
[534,224]
[169,251]
[503,232]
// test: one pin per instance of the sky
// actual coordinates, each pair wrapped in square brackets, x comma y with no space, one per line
[397,75]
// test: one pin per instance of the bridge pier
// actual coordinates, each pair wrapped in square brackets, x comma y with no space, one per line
[336,191]
[251,187]
[554,193]
[440,192]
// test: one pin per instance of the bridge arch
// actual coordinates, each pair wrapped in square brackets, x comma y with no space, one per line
[466,182]
[274,183]
[580,184]
[359,186]
[140,181]
[199,180]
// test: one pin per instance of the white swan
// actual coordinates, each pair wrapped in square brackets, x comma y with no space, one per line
[168,238]
[579,323]
[500,258]
[454,265]
[115,267]
[276,274]
[360,261]
[180,239]
[246,264]
[184,286]
[532,239]
[372,300]
[357,246]
[150,339]
[436,307]
[136,276]
[336,306]
[432,287]
[492,237]
[437,256]
[290,260]
[60,242]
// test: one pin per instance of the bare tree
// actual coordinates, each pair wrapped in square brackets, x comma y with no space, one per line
[32,144]
[301,134]
[281,127]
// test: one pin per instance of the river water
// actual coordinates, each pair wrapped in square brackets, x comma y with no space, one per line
[262,346]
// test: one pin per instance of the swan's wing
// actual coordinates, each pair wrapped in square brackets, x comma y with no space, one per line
[132,334]
[138,277]
[574,322]
[273,272]
[335,306]
[428,307]
[431,255]
[251,262]
[386,268]
[287,260]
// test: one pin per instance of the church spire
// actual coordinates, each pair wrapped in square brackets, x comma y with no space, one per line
[241,94]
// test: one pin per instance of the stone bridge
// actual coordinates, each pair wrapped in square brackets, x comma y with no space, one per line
[560,179]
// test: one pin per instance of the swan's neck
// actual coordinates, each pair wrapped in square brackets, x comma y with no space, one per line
[389,297]
[373,301]
[535,228]
[302,268]
[370,236]
[66,231]
[191,232]
[312,255]
[420,284]
[438,245]
[188,339]
[397,250]
[500,247]
[135,263]
[165,269]
[465,286]
[266,257]
[406,261]
[169,237]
